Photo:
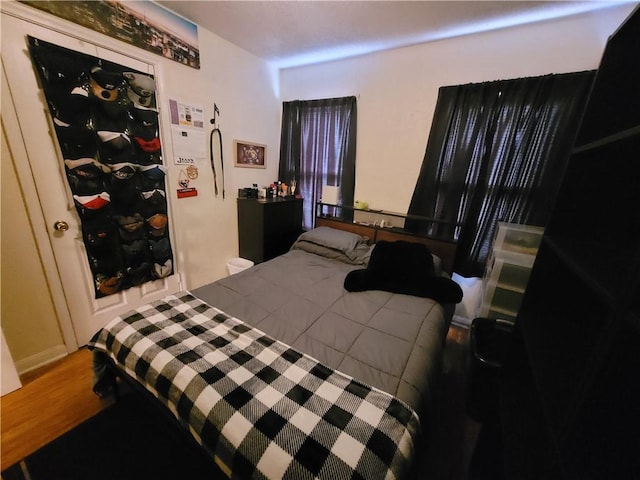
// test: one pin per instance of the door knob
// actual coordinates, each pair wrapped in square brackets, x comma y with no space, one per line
[61,226]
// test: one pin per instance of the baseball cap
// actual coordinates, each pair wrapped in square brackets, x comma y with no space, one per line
[140,88]
[104,84]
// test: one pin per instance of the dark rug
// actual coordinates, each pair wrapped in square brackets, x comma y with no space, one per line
[130,440]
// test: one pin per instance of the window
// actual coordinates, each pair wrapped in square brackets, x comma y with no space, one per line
[317,148]
[496,152]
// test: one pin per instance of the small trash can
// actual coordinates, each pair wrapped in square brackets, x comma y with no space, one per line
[237,265]
[489,342]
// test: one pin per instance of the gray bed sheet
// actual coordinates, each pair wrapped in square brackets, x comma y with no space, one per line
[390,341]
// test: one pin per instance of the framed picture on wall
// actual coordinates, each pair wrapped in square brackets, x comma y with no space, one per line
[164,32]
[250,154]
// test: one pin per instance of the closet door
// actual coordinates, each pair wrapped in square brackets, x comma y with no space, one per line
[33,141]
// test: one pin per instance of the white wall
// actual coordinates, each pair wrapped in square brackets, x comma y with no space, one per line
[243,87]
[204,227]
[397,92]
[397,89]
[9,380]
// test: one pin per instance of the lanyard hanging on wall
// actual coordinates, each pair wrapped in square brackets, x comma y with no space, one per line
[216,131]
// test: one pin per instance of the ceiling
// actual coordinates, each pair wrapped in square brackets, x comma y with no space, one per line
[293,33]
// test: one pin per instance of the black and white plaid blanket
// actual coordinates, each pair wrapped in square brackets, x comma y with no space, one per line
[261,408]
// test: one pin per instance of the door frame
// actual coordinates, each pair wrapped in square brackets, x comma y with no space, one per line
[16,141]
[11,126]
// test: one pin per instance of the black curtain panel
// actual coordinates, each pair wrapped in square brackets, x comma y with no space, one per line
[496,152]
[317,148]
[106,124]
[290,144]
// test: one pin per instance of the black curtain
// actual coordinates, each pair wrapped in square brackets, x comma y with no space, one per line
[317,148]
[496,152]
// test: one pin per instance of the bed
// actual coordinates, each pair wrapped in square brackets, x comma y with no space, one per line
[298,367]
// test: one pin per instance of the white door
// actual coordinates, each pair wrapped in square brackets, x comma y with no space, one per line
[34,135]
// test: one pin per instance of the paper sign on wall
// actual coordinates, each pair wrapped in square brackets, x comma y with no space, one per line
[189,142]
[189,146]
[186,115]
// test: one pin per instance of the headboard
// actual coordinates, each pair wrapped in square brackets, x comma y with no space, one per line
[444,249]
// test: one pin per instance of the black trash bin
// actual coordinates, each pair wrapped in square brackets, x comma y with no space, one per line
[489,342]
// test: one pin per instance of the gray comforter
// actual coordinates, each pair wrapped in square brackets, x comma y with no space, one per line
[390,341]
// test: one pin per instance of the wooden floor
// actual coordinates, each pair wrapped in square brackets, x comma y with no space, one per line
[59,397]
[50,403]
[454,436]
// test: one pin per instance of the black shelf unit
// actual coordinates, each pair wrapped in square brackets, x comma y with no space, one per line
[268,227]
[571,398]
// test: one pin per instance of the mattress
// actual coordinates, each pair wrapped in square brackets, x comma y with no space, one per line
[391,341]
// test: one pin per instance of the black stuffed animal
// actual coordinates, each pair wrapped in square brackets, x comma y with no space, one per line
[403,267]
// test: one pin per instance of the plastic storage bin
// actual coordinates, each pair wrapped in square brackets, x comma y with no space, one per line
[508,268]
[237,265]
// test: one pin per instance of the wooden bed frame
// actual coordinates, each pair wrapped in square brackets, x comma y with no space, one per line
[444,249]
